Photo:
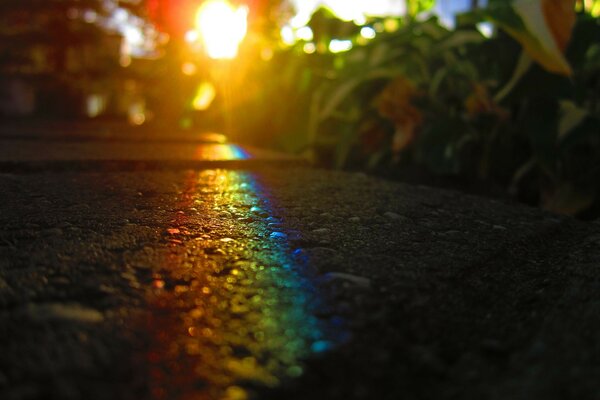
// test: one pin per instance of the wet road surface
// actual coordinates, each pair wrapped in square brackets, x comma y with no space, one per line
[231,305]
[283,282]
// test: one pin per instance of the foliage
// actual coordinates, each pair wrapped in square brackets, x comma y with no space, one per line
[542,27]
[519,109]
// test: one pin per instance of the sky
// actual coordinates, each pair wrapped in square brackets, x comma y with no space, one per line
[447,8]
[350,9]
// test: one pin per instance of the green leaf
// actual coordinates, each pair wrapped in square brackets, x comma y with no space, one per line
[545,49]
[581,134]
[525,22]
[469,18]
[343,91]
[313,115]
[540,123]
[436,81]
[379,55]
[340,94]
[433,29]
[415,7]
[592,57]
[571,116]
[459,38]
[567,199]
[523,65]
[436,145]
[376,158]
[344,145]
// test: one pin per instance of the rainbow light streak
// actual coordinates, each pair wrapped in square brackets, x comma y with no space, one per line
[233,309]
[220,152]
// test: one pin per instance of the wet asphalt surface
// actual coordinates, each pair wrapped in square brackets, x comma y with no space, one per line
[286,282]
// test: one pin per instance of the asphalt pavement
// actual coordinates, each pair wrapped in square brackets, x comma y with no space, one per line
[153,269]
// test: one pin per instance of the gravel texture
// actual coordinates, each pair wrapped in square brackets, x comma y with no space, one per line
[114,284]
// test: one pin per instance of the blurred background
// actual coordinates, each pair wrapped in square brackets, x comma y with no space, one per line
[494,97]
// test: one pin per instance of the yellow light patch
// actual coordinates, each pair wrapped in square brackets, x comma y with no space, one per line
[205,94]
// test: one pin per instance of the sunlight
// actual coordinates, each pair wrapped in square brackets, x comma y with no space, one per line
[222,27]
[220,152]
[95,104]
[339,46]
[367,32]
[348,10]
[287,35]
[204,96]
[305,33]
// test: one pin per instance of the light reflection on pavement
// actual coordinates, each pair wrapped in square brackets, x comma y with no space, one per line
[28,151]
[232,311]
[218,152]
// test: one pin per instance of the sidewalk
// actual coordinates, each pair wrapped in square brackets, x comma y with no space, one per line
[278,281]
[80,152]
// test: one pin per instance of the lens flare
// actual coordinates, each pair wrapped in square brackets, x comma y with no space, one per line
[205,94]
[222,28]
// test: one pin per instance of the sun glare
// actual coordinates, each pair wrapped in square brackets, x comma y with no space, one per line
[222,27]
[205,94]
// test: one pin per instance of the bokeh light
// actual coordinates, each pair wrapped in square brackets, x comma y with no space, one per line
[205,94]
[221,28]
[339,46]
[367,32]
